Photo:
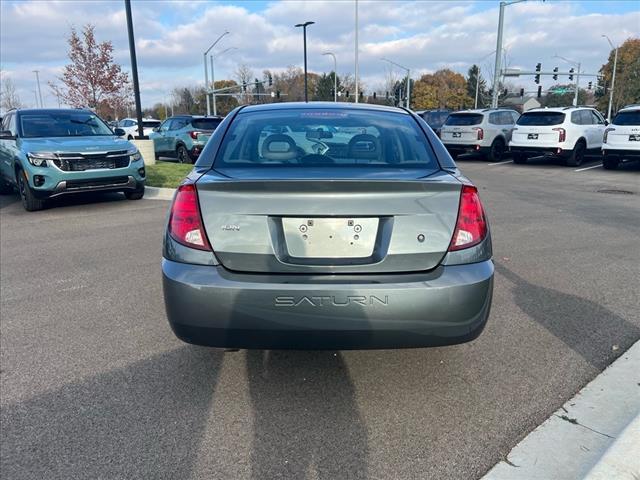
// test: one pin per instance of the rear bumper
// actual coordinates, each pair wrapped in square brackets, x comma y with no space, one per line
[209,305]
[540,151]
[620,153]
[466,148]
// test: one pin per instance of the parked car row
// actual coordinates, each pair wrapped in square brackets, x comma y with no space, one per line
[565,133]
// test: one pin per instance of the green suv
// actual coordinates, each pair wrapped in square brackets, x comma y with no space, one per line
[183,136]
[47,153]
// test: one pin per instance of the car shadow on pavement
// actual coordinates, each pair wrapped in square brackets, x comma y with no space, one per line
[586,327]
[307,423]
[10,199]
[142,421]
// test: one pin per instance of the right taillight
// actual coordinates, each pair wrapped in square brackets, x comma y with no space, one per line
[471,226]
[606,134]
[185,221]
[562,134]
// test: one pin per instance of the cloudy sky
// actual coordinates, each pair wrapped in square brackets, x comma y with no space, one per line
[422,35]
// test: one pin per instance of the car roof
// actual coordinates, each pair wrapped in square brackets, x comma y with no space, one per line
[324,105]
[557,109]
[484,110]
[629,108]
[51,110]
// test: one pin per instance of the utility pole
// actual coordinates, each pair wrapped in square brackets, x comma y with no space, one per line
[39,91]
[408,102]
[613,77]
[134,67]
[357,48]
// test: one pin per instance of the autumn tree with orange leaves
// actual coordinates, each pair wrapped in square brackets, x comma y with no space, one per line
[93,79]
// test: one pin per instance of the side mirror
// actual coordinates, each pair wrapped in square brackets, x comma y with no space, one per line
[119,132]
[606,123]
[6,135]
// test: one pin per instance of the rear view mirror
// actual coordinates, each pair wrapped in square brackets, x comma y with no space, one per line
[119,132]
[6,135]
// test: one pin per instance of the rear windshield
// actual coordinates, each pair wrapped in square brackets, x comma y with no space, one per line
[631,117]
[435,119]
[151,123]
[206,123]
[541,118]
[464,119]
[315,137]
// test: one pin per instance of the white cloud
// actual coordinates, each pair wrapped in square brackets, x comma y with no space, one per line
[423,35]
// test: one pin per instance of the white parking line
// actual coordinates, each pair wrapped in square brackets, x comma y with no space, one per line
[501,163]
[588,168]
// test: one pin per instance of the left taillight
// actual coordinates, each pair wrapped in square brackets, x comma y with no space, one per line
[185,221]
[471,226]
[606,134]
[194,135]
[480,133]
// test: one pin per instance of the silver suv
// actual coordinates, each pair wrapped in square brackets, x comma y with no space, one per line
[485,131]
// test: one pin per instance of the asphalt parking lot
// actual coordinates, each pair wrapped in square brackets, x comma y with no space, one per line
[95,385]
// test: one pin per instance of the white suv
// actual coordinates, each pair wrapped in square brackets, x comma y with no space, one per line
[622,138]
[567,133]
[130,126]
[485,131]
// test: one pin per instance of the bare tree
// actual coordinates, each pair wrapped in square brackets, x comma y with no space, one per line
[9,97]
[244,75]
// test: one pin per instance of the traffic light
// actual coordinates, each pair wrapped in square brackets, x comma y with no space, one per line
[505,92]
[346,94]
[244,87]
[386,95]
[374,95]
[521,92]
[277,93]
[590,85]
[538,68]
[555,76]
[270,79]
[540,91]
[571,76]
[361,95]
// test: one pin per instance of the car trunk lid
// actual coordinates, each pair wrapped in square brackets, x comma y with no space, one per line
[343,225]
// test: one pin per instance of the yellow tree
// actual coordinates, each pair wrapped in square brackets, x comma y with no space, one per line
[442,89]
[627,88]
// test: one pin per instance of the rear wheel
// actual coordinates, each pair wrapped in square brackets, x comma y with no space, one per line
[182,154]
[577,156]
[610,163]
[136,194]
[497,150]
[519,158]
[29,200]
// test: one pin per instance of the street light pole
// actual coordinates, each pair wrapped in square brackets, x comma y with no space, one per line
[134,67]
[576,64]
[206,75]
[498,66]
[408,102]
[613,77]
[357,48]
[213,78]
[304,35]
[39,91]
[335,76]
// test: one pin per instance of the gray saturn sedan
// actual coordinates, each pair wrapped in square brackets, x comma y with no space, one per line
[326,226]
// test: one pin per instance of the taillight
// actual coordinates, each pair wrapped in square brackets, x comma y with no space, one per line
[480,132]
[185,221]
[471,226]
[606,134]
[194,135]
[562,134]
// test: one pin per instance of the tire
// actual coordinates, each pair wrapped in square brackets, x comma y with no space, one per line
[5,188]
[29,200]
[577,156]
[496,151]
[182,154]
[610,163]
[135,194]
[519,158]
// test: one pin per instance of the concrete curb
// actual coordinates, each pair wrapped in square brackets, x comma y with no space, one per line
[595,435]
[622,460]
[155,193]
